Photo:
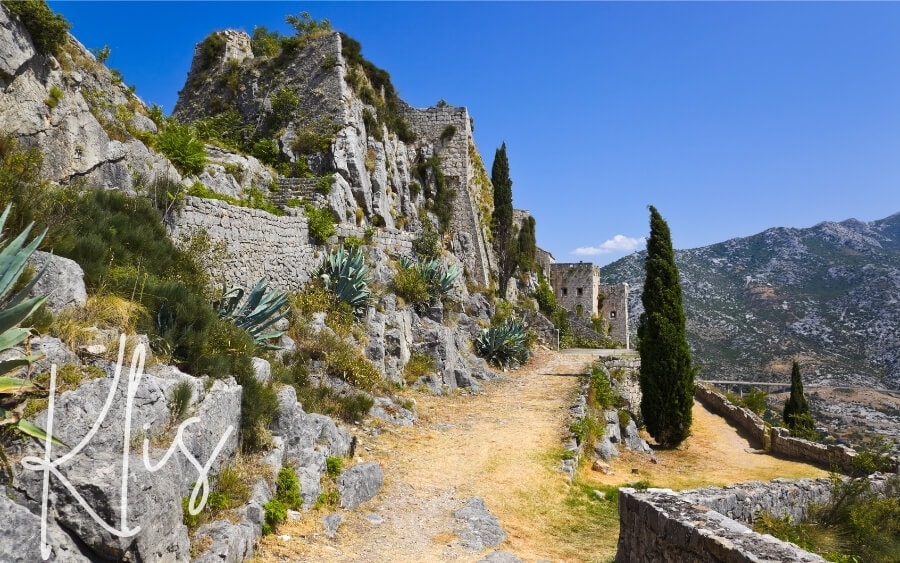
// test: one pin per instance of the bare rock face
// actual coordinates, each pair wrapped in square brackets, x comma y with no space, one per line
[359,484]
[62,281]
[20,529]
[81,118]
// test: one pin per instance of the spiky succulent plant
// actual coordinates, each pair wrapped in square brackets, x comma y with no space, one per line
[345,273]
[505,344]
[257,314]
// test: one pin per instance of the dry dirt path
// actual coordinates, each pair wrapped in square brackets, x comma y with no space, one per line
[497,444]
[504,444]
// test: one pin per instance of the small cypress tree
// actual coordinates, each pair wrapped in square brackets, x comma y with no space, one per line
[527,245]
[667,375]
[796,406]
[505,243]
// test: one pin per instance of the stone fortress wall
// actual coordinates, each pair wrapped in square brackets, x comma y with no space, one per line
[614,309]
[469,239]
[576,286]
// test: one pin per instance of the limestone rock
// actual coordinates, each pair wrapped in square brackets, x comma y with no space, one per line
[62,282]
[262,370]
[388,411]
[601,466]
[308,440]
[228,542]
[54,351]
[21,533]
[633,440]
[481,529]
[17,49]
[359,484]
[606,449]
[153,504]
[612,426]
[500,557]
[332,522]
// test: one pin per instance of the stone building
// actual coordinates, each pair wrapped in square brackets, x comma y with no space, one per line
[578,289]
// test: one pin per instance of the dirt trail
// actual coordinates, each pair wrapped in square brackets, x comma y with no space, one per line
[504,445]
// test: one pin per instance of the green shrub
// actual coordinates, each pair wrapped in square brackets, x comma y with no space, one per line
[427,245]
[47,29]
[275,515]
[441,197]
[308,142]
[448,133]
[180,400]
[411,286]
[211,49]
[285,103]
[600,392]
[180,144]
[321,223]
[419,364]
[333,466]
[287,488]
[266,150]
[55,95]
[226,129]
[265,43]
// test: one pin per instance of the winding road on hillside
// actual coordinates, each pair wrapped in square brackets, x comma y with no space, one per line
[502,444]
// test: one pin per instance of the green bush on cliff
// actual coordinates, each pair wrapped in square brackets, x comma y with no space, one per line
[48,30]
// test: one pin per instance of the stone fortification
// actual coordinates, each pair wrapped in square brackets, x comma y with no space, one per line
[372,172]
[778,440]
[576,287]
[468,227]
[614,310]
[711,525]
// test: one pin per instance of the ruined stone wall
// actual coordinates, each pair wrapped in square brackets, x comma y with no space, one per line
[778,440]
[544,261]
[469,240]
[278,248]
[614,310]
[711,525]
[744,419]
[576,286]
[259,244]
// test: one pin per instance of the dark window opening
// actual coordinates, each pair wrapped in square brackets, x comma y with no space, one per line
[579,291]
[565,291]
[612,314]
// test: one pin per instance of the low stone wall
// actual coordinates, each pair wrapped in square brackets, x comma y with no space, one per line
[662,526]
[828,456]
[744,419]
[776,440]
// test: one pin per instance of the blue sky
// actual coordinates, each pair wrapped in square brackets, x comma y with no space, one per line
[730,118]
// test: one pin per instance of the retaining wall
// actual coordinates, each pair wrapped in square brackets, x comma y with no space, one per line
[663,526]
[778,440]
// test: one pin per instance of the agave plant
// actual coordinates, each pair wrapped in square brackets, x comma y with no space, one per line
[257,314]
[346,274]
[14,309]
[502,345]
[438,279]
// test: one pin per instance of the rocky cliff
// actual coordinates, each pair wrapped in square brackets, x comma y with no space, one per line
[827,295]
[332,115]
[316,127]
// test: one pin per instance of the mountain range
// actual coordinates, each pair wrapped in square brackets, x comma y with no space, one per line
[827,296]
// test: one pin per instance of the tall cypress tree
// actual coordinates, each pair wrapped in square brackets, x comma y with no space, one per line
[527,245]
[505,243]
[667,375]
[796,406]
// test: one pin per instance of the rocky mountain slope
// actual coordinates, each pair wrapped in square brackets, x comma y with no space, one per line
[828,295]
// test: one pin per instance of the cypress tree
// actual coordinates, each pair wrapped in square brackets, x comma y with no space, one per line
[666,375]
[505,243]
[796,406]
[527,245]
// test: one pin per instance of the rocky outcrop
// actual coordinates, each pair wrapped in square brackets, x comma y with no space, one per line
[480,528]
[62,281]
[88,131]
[359,484]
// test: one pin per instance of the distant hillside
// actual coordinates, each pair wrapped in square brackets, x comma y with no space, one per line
[828,295]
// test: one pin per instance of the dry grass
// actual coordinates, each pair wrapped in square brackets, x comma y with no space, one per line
[78,326]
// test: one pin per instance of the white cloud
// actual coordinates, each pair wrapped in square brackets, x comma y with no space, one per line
[619,243]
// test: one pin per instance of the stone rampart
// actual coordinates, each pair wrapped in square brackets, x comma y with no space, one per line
[469,238]
[278,248]
[776,440]
[614,310]
[258,243]
[711,525]
[744,419]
